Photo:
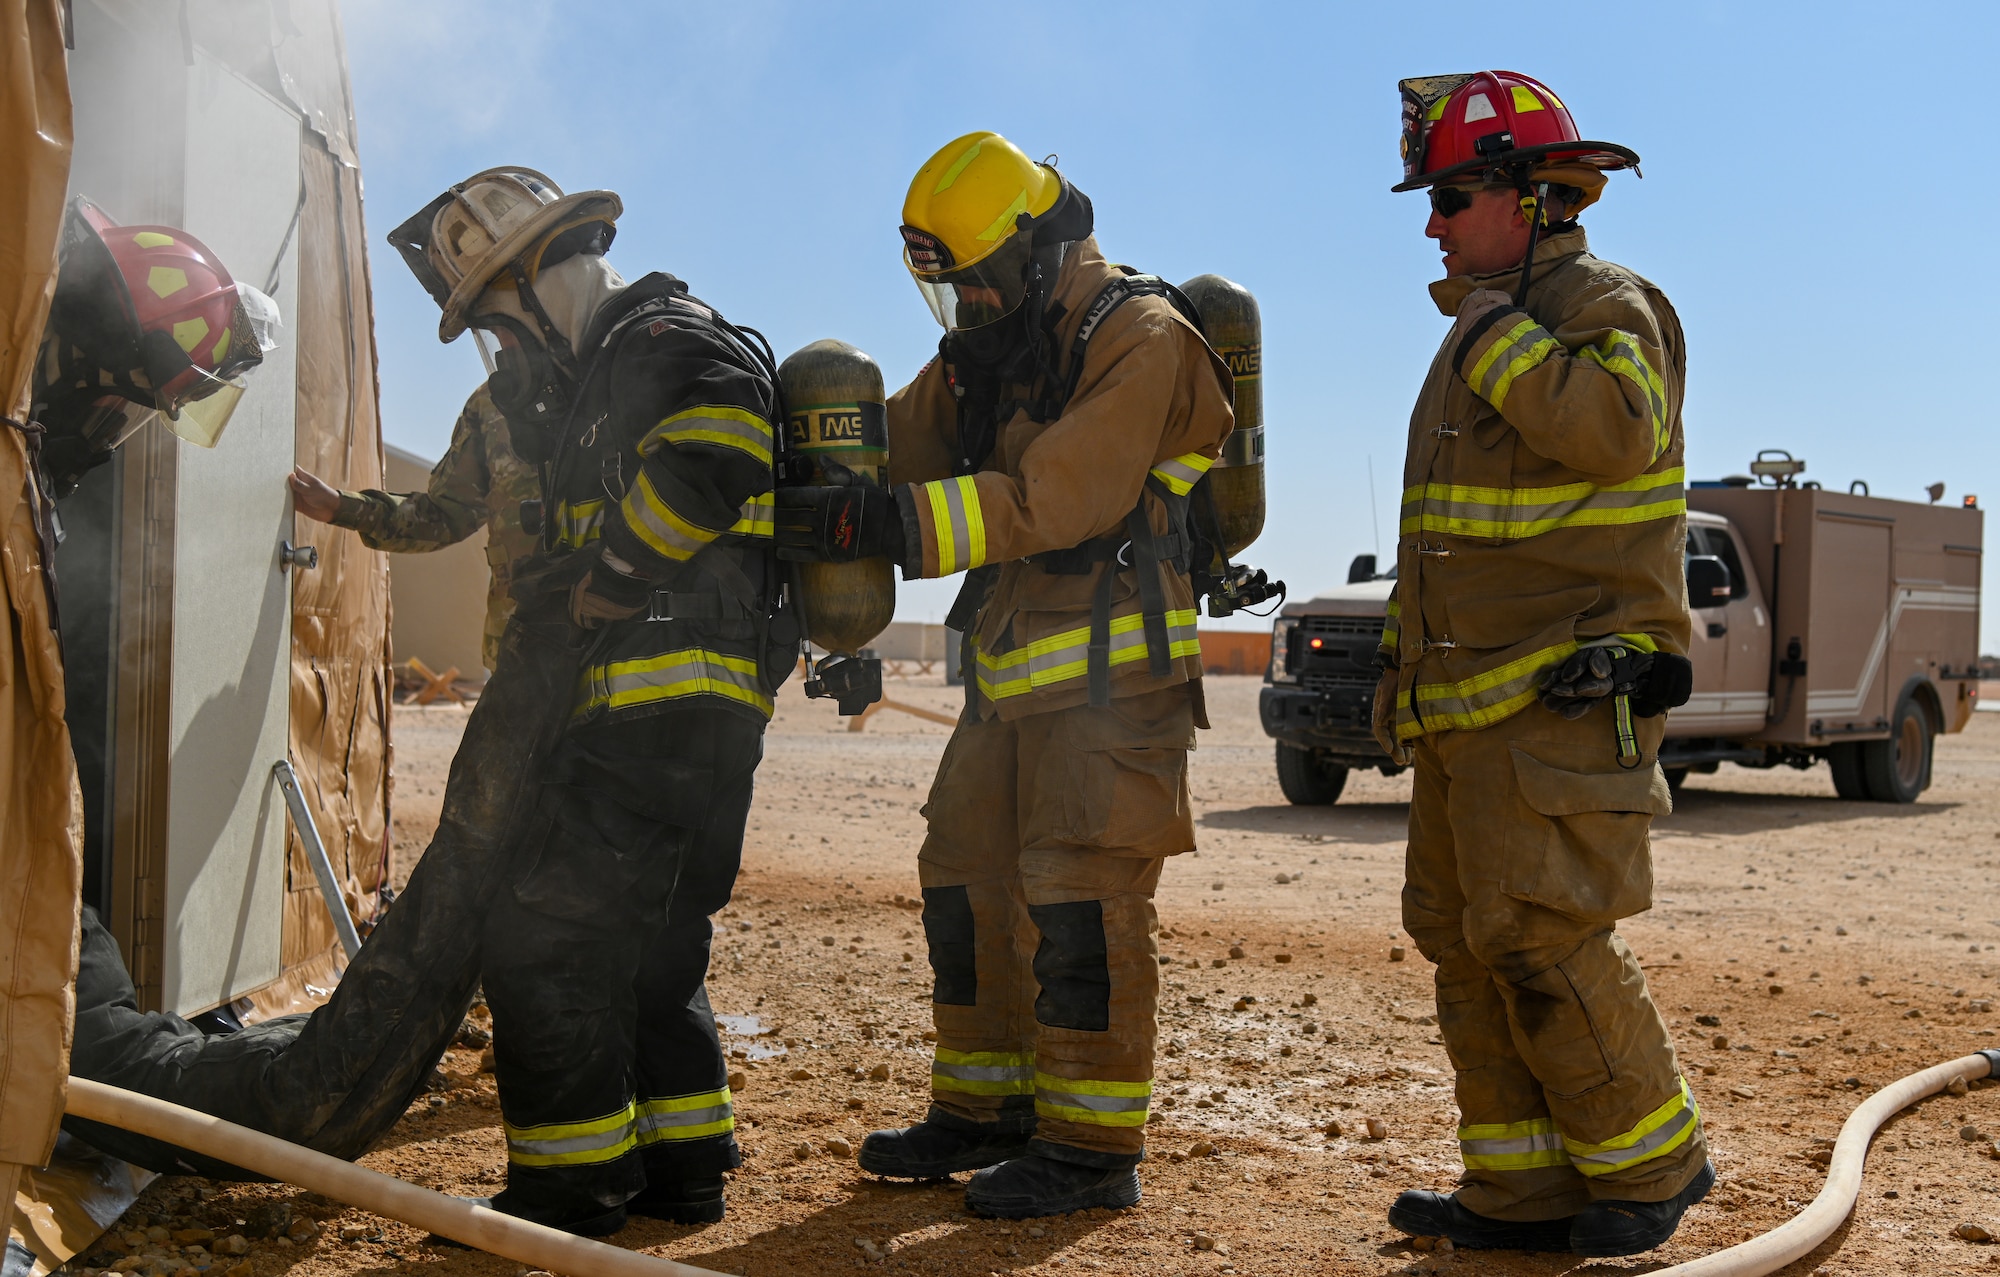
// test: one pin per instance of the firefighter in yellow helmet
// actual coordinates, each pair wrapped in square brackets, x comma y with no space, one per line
[1537,636]
[1047,453]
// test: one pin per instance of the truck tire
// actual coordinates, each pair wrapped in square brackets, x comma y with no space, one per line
[1849,781]
[1676,777]
[1897,770]
[1307,779]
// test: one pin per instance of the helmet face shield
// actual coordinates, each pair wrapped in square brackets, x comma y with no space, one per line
[972,296]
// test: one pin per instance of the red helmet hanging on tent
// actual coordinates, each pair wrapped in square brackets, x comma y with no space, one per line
[1492,125]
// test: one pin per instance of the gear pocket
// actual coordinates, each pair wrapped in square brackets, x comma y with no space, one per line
[598,850]
[1583,847]
[1119,785]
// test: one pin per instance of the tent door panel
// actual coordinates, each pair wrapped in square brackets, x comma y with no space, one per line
[226,824]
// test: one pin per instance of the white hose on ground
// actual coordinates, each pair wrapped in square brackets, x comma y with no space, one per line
[452,1217]
[1768,1252]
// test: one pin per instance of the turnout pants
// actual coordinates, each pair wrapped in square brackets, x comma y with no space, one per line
[595,960]
[1527,844]
[336,1080]
[1046,840]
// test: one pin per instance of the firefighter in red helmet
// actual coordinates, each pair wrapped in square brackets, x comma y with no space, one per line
[146,323]
[1537,636]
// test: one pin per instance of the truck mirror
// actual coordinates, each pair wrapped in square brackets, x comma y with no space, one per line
[1362,569]
[1708,581]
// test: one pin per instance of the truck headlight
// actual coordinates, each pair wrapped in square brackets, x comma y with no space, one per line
[1281,647]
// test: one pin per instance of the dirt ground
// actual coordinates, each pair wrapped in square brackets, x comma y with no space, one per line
[1805,950]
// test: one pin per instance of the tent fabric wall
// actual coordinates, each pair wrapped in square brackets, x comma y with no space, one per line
[40,868]
[340,610]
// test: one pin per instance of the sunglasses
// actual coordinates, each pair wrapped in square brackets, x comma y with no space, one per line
[1450,201]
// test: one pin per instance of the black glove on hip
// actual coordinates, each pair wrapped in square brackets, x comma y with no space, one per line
[839,524]
[1655,681]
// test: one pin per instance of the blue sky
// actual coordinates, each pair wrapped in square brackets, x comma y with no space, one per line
[1819,200]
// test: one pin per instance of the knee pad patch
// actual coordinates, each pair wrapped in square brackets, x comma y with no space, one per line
[1072,965]
[948,932]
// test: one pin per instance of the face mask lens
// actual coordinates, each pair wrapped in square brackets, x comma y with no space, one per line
[976,295]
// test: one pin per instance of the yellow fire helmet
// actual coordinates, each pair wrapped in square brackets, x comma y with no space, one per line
[959,224]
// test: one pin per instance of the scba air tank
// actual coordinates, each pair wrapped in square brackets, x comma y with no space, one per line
[837,430]
[1229,313]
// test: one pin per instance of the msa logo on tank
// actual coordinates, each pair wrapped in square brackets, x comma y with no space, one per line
[855,435]
[1243,361]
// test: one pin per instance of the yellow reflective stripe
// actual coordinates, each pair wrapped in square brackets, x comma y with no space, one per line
[601,1139]
[1392,624]
[1619,354]
[694,671]
[1181,473]
[686,1117]
[958,166]
[1065,656]
[983,1072]
[1660,1132]
[758,515]
[578,525]
[1511,1146]
[1512,353]
[659,526]
[1005,222]
[956,523]
[1514,514]
[718,424]
[1092,1102]
[1493,695]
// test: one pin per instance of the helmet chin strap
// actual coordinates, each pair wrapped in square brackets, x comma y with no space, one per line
[1533,205]
[558,345]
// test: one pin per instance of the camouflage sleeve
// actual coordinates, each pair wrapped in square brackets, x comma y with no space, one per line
[451,509]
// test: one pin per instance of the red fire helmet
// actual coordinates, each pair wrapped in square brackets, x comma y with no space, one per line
[1498,125]
[151,300]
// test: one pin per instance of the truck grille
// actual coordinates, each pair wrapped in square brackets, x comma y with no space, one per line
[1368,627]
[1345,659]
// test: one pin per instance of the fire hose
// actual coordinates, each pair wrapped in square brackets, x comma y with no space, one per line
[1768,1252]
[561,1252]
[452,1217]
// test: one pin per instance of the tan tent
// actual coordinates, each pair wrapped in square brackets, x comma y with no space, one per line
[196,655]
[38,866]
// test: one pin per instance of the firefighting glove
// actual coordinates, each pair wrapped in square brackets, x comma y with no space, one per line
[1478,304]
[606,594]
[1655,682]
[839,523]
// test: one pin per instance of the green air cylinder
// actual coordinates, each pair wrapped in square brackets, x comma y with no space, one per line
[835,416]
[1229,313]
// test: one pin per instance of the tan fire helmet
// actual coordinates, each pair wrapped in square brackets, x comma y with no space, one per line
[460,242]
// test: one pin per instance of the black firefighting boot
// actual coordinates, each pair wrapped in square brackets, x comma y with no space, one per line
[1054,1179]
[680,1201]
[1422,1213]
[944,1144]
[1610,1228]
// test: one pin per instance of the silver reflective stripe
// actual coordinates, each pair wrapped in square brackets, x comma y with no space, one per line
[668,534]
[651,1121]
[1601,1160]
[1096,1103]
[1181,473]
[1513,514]
[983,1072]
[568,1148]
[1525,347]
[1065,656]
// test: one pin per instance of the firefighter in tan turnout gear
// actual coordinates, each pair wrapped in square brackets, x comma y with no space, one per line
[1538,635]
[1048,454]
